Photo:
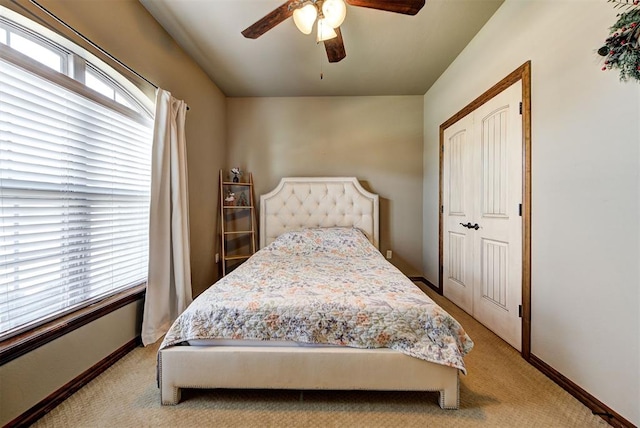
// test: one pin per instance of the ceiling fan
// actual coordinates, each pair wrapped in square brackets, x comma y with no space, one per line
[330,15]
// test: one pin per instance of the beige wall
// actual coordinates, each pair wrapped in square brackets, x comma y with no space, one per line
[127,31]
[585,186]
[376,139]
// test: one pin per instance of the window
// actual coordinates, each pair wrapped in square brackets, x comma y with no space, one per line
[42,53]
[75,168]
[99,83]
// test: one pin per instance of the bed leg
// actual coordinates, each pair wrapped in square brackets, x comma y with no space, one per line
[169,393]
[450,396]
[170,396]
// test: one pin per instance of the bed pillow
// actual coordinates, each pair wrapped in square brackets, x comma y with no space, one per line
[340,241]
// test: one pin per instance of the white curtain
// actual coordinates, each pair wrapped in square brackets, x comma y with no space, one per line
[169,277]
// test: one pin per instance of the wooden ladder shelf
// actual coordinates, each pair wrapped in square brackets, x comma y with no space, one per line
[238,222]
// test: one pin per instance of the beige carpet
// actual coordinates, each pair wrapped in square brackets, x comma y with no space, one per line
[500,390]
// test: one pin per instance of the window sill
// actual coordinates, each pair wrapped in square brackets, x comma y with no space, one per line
[23,343]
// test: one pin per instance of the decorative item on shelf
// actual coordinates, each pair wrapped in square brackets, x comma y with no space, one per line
[622,48]
[242,200]
[230,198]
[236,172]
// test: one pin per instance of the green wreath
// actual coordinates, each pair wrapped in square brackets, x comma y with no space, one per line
[622,48]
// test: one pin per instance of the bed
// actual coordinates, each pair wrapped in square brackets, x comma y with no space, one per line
[317,307]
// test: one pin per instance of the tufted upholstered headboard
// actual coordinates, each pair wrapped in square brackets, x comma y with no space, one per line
[304,202]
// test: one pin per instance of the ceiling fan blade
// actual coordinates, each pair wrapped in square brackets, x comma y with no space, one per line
[268,21]
[407,7]
[335,47]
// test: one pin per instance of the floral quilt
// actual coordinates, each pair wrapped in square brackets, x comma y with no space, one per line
[324,286]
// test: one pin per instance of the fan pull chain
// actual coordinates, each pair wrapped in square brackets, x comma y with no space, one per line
[321,53]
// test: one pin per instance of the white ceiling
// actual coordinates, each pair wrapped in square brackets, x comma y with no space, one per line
[387,53]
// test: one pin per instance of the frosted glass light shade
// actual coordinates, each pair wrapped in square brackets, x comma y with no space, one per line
[334,12]
[304,18]
[325,31]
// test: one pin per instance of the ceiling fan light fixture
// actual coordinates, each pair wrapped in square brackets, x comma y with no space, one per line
[334,12]
[325,31]
[304,18]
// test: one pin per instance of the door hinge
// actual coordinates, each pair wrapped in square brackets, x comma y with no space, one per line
[441,209]
[520,311]
[520,210]
[520,107]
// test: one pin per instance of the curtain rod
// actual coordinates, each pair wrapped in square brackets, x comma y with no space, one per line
[94,45]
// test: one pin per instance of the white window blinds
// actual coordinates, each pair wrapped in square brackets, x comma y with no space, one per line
[74,199]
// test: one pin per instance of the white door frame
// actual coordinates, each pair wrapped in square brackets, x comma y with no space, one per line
[522,73]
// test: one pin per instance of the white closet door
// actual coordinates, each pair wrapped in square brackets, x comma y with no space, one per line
[482,230]
[498,242]
[458,210]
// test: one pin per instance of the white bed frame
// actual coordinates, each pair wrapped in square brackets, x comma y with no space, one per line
[298,203]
